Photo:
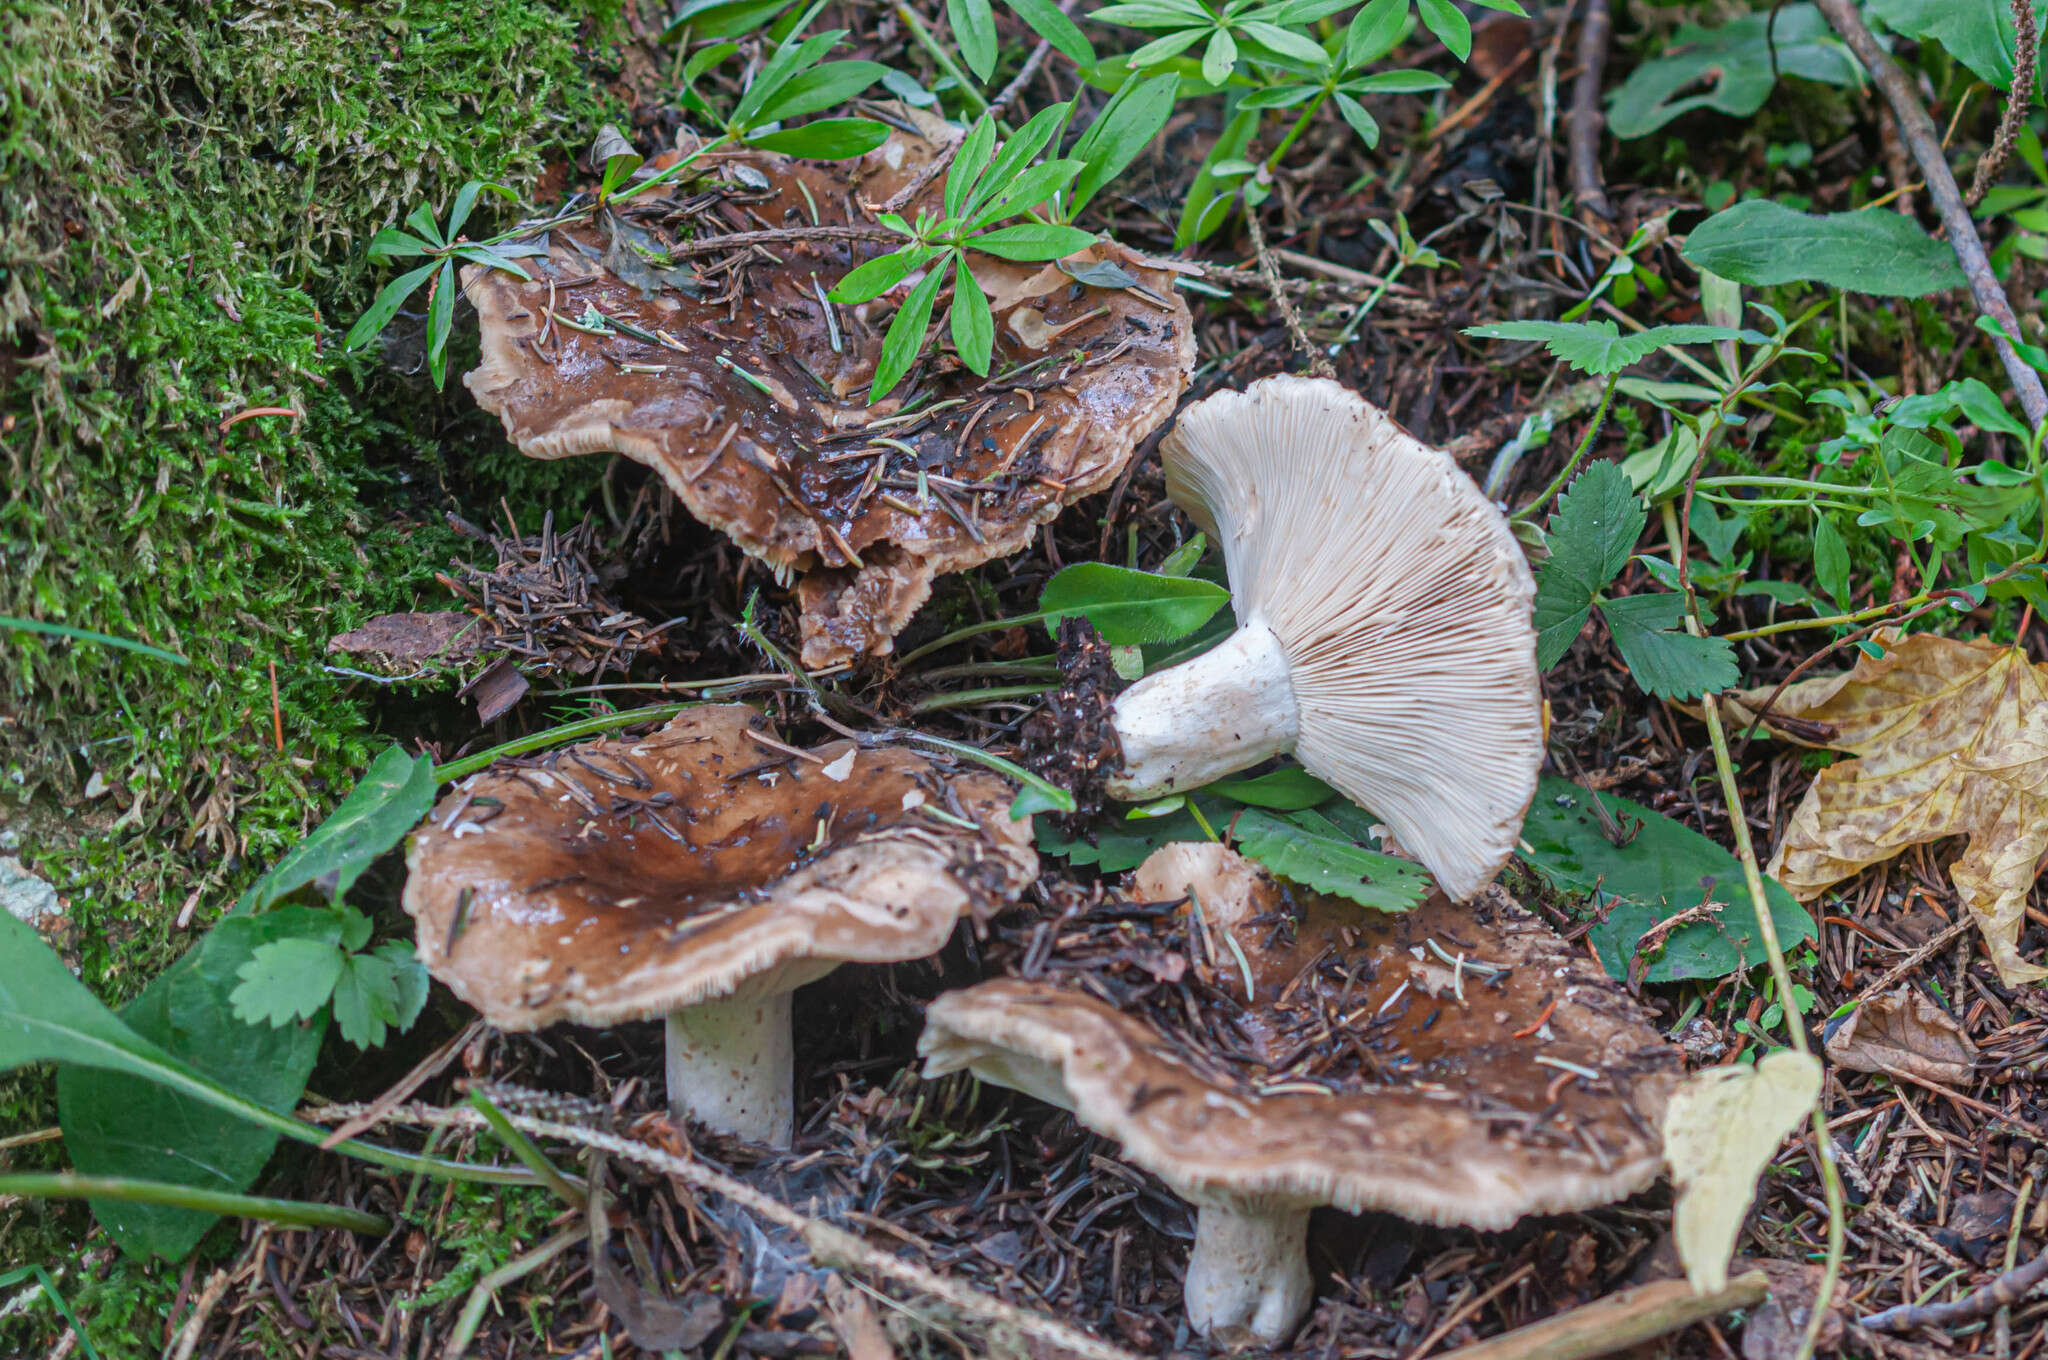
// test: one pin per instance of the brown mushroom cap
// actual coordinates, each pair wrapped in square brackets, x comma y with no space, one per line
[790,472]
[623,879]
[1470,1122]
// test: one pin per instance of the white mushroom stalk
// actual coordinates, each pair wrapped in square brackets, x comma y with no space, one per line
[731,1067]
[1249,1270]
[1384,632]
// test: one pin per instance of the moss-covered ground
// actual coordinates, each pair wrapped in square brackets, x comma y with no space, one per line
[185,187]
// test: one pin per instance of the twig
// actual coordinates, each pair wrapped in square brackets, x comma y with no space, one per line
[202,1311]
[2017,101]
[1920,134]
[1459,1314]
[1318,363]
[1914,960]
[2008,1288]
[1587,120]
[739,240]
[1617,1321]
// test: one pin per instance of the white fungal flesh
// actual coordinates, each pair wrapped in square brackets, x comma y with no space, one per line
[1249,1271]
[1401,604]
[729,1066]
[1224,711]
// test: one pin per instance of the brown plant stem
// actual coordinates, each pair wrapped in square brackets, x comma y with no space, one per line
[1587,121]
[1920,134]
[2007,1288]
[1617,1321]
[1318,362]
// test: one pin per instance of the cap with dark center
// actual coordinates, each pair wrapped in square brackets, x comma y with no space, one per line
[1454,1065]
[703,872]
[751,400]
[1384,632]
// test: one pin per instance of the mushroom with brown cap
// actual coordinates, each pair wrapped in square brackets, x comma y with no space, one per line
[1455,1065]
[703,873]
[751,401]
[1384,632]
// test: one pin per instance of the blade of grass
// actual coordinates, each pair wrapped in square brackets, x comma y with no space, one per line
[297,1213]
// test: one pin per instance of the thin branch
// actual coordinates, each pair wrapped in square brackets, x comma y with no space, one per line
[1920,134]
[1318,362]
[1617,1321]
[1587,121]
[2008,1288]
[739,240]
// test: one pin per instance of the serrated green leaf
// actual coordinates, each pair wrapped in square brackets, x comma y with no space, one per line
[1764,242]
[1599,347]
[288,979]
[974,328]
[1591,537]
[1313,851]
[1130,607]
[366,999]
[1666,661]
[901,346]
[1662,869]
[388,801]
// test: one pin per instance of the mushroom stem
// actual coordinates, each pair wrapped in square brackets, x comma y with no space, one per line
[729,1066]
[1224,711]
[1249,1270]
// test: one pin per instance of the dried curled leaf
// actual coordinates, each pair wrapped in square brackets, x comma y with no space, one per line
[1721,1129]
[1904,1034]
[1952,740]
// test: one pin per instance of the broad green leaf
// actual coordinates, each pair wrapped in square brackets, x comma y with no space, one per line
[901,346]
[120,1124]
[1599,347]
[1662,869]
[1764,242]
[1978,33]
[828,139]
[1285,43]
[465,202]
[378,314]
[1592,535]
[1450,25]
[1032,241]
[974,329]
[1047,22]
[1376,31]
[1288,789]
[1130,607]
[392,244]
[705,19]
[1397,82]
[1742,59]
[778,70]
[1313,851]
[1723,1126]
[615,157]
[1662,657]
[1985,410]
[1219,56]
[1830,560]
[824,86]
[880,274]
[1125,127]
[287,980]
[1360,121]
[1116,845]
[974,28]
[421,220]
[388,801]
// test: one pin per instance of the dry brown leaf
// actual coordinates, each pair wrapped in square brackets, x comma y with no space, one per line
[1904,1033]
[1951,739]
[860,1331]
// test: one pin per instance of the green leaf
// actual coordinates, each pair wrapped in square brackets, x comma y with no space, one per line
[1397,82]
[1218,57]
[388,801]
[421,220]
[392,244]
[880,274]
[441,323]
[1114,846]
[1448,22]
[1032,241]
[1284,42]
[379,313]
[1288,789]
[1047,22]
[1009,163]
[1361,122]
[1279,97]
[1985,410]
[616,157]
[900,347]
[1182,560]
[465,202]
[287,980]
[1742,59]
[1208,197]
[778,70]
[1599,347]
[484,255]
[828,139]
[974,328]
[974,28]
[1830,560]
[1125,127]
[1592,536]
[1313,851]
[1664,659]
[1130,607]
[1663,869]
[822,87]
[1884,253]
[968,163]
[1376,31]
[707,19]
[121,1124]
[1978,33]
[1023,192]
[366,999]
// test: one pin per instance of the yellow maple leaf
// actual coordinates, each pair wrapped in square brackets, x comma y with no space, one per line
[1950,739]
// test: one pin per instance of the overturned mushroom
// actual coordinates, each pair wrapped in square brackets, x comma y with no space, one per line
[1454,1065]
[1383,635]
[746,389]
[703,873]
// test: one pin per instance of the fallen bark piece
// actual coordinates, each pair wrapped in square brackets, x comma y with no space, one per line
[1617,1322]
[1904,1033]
[747,389]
